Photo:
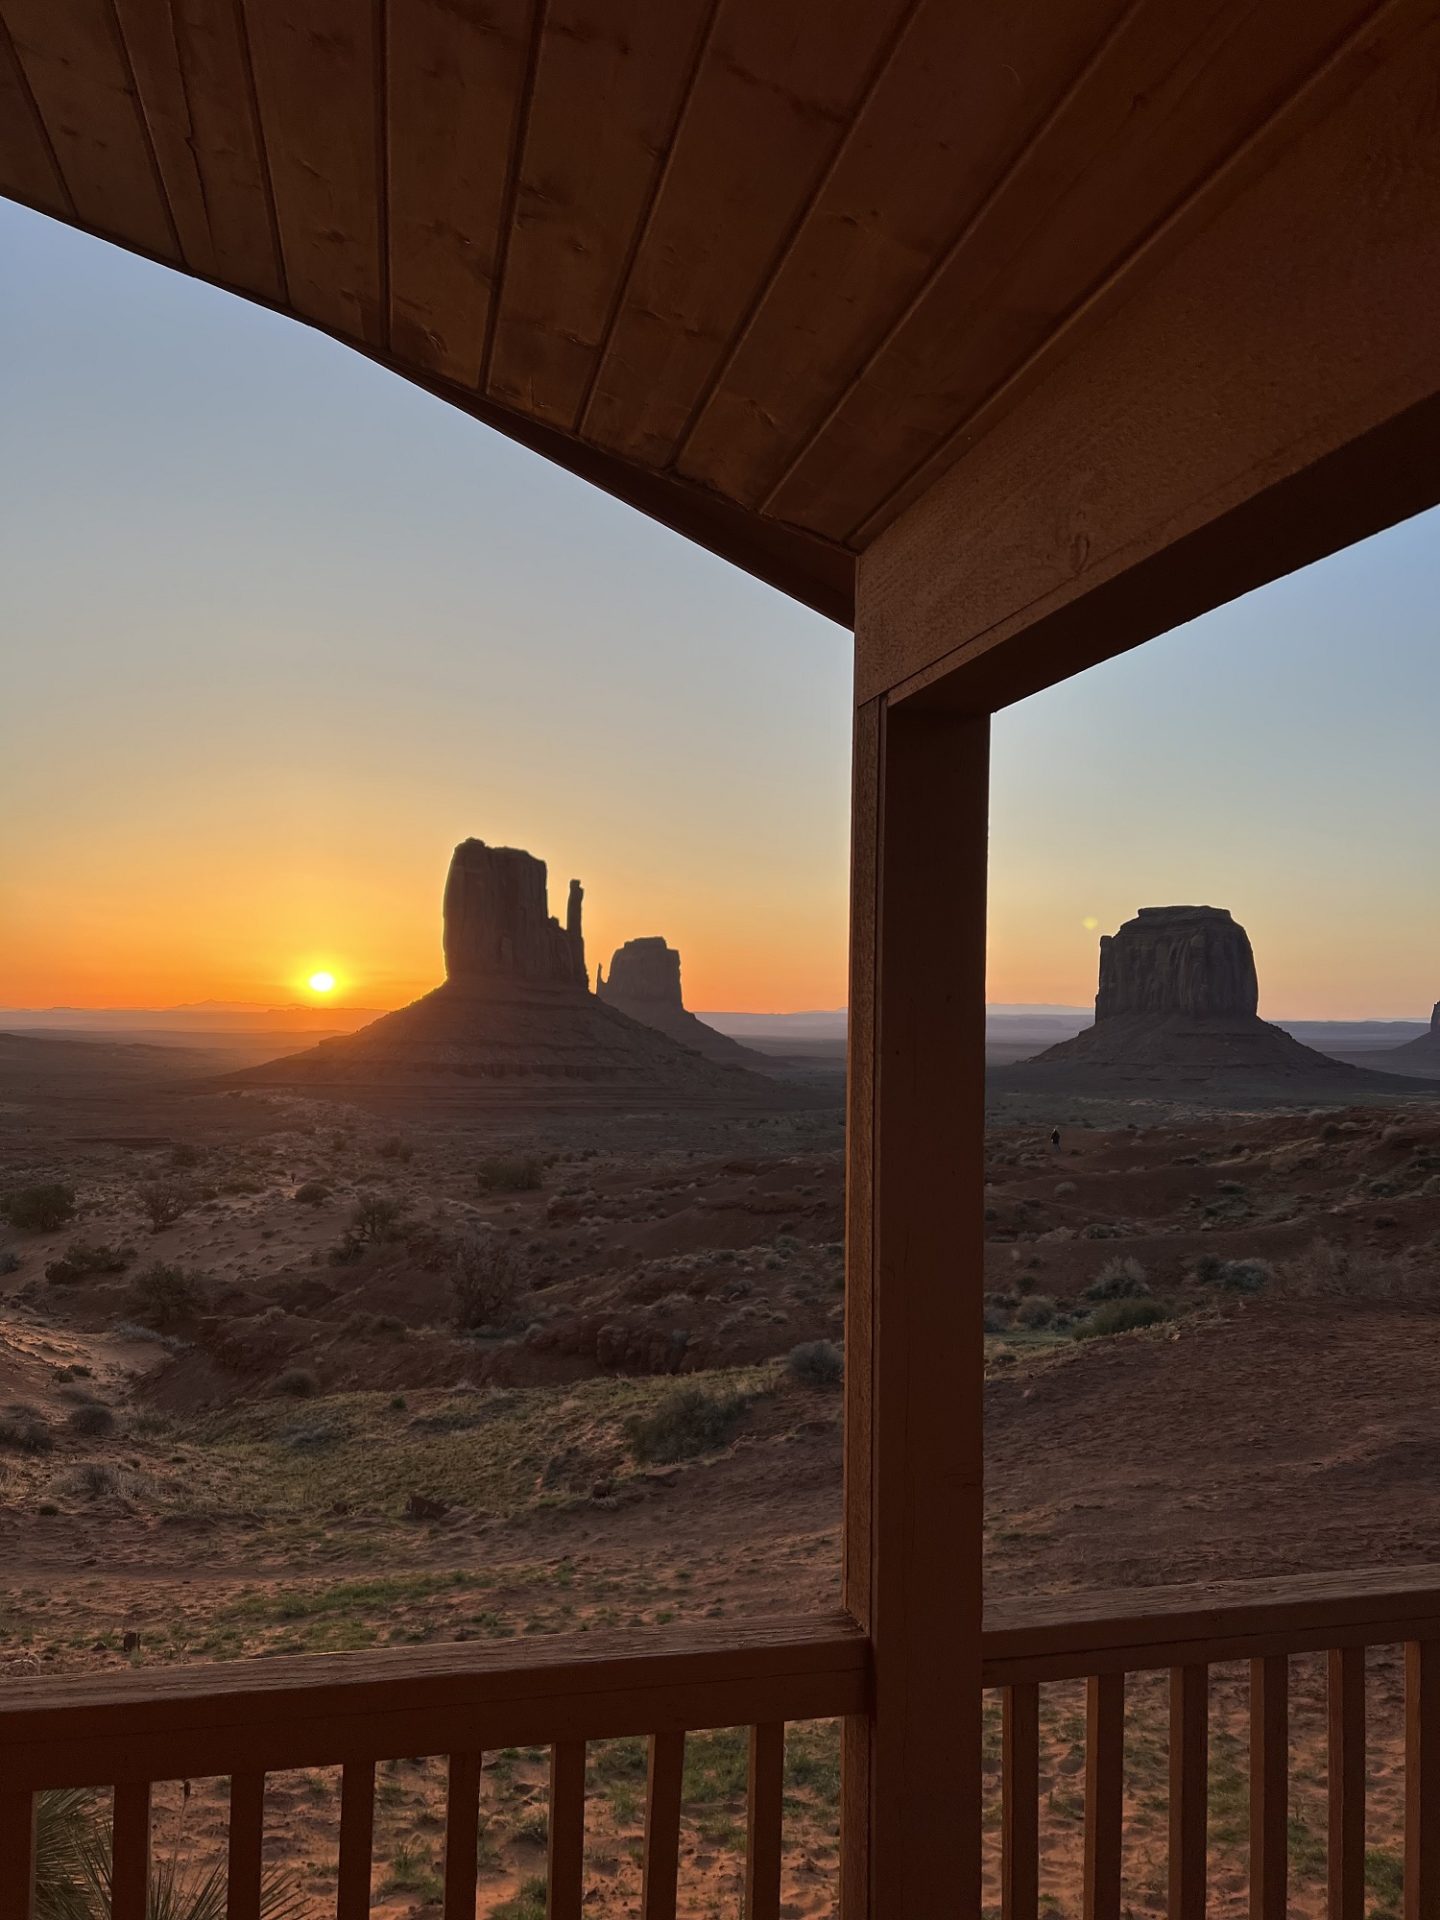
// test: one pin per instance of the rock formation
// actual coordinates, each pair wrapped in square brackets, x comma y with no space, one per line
[1416,1056]
[515,1019]
[1176,1013]
[645,984]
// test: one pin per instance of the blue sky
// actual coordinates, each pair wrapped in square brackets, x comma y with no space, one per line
[279,629]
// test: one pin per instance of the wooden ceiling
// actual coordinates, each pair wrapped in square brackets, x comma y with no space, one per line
[765,268]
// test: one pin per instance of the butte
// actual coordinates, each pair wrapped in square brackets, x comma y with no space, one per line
[644,982]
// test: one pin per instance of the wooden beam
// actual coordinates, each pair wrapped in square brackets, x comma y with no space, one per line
[1230,423]
[914,1360]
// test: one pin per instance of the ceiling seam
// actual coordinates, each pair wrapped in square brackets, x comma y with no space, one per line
[511,198]
[43,132]
[157,175]
[382,165]
[262,149]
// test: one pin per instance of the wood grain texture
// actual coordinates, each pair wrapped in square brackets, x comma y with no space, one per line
[29,170]
[245,1856]
[773,97]
[1020,1803]
[1189,1790]
[765,1821]
[77,73]
[357,1840]
[1163,466]
[130,1855]
[662,1826]
[17,1852]
[914,1376]
[1269,1787]
[462,1834]
[325,167]
[609,90]
[1345,1784]
[566,1863]
[1104,1795]
[1422,1780]
[454,103]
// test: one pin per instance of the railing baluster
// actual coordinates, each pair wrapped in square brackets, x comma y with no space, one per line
[1346,1784]
[1189,1790]
[1104,1793]
[662,1826]
[567,1830]
[1020,1803]
[247,1818]
[462,1835]
[17,1852]
[1422,1779]
[130,1858]
[766,1807]
[1269,1787]
[357,1840]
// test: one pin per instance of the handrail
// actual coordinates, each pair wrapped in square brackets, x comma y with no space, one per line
[307,1710]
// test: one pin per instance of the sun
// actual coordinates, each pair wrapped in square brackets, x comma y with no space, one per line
[321,983]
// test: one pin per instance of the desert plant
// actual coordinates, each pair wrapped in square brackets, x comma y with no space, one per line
[163,1297]
[816,1363]
[395,1149]
[186,1155]
[1122,1278]
[1232,1276]
[80,1258]
[163,1202]
[376,1218]
[9,1260]
[298,1382]
[515,1174]
[39,1209]
[1035,1312]
[313,1193]
[91,1420]
[1120,1316]
[688,1421]
[24,1430]
[486,1277]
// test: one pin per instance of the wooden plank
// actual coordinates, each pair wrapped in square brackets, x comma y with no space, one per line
[662,1826]
[1164,462]
[1269,1787]
[963,91]
[1345,1851]
[567,1830]
[1422,1780]
[454,101]
[17,1851]
[765,1807]
[1020,1804]
[357,1841]
[606,102]
[77,72]
[130,1856]
[325,168]
[1189,1790]
[462,1834]
[1104,1794]
[192,74]
[775,100]
[246,1843]
[913,1374]
[29,171]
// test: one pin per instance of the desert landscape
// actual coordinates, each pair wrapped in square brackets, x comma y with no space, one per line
[512,1315]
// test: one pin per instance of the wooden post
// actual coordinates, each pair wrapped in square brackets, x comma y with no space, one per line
[17,1855]
[914,1341]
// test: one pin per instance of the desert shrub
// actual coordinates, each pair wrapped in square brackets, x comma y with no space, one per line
[23,1429]
[346,1252]
[376,1218]
[91,1420]
[39,1209]
[1064,1188]
[298,1383]
[486,1276]
[395,1149]
[163,1202]
[186,1155]
[313,1193]
[816,1363]
[80,1258]
[1232,1276]
[1120,1316]
[688,1421]
[1122,1278]
[163,1297]
[1038,1310]
[517,1174]
[1102,1230]
[1330,1270]
[9,1260]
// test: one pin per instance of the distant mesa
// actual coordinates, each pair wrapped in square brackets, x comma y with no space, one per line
[644,983]
[1176,1011]
[1417,1056]
[515,1018]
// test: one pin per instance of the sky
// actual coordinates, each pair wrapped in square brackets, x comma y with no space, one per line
[277,630]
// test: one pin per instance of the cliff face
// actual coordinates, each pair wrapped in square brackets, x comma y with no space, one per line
[1194,961]
[644,983]
[498,923]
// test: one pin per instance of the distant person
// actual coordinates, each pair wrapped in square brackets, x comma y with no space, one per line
[1055,1141]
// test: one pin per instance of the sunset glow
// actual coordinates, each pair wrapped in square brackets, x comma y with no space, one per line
[321,983]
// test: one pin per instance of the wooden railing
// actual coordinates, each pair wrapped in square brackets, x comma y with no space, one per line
[1100,1639]
[131,1730]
